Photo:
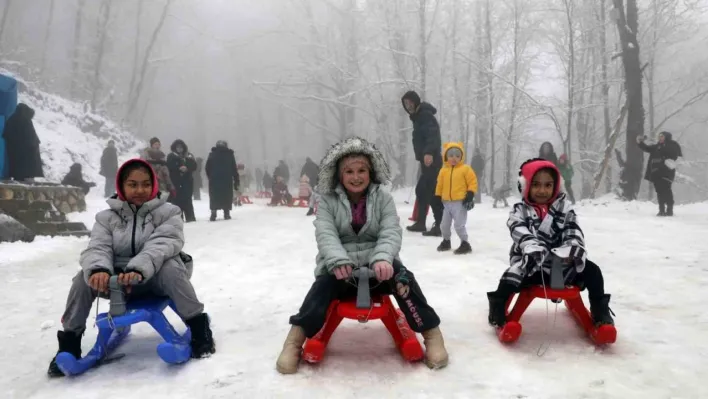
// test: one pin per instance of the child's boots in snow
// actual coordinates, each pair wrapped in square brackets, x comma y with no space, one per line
[292,348]
[435,353]
[70,342]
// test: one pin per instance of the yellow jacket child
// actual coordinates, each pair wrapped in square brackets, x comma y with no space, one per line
[455,178]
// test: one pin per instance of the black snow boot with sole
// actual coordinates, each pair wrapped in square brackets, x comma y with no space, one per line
[310,212]
[212,218]
[227,214]
[497,309]
[202,341]
[445,245]
[465,248]
[417,227]
[434,231]
[600,310]
[69,341]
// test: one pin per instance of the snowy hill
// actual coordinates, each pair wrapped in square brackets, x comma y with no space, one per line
[69,133]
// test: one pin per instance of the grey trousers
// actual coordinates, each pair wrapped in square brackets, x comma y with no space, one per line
[171,281]
[454,211]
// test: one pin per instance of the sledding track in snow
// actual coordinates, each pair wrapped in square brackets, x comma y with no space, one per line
[252,273]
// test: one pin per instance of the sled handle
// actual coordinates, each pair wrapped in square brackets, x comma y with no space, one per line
[363,295]
[117,298]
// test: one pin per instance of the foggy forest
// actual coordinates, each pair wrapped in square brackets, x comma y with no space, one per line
[285,79]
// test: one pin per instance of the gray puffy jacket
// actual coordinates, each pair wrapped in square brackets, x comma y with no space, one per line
[379,240]
[139,240]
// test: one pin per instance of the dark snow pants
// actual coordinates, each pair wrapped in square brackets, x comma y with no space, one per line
[664,195]
[313,312]
[425,191]
[569,189]
[590,278]
[172,280]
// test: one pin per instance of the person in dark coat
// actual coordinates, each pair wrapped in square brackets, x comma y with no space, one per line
[198,183]
[109,167]
[477,164]
[181,164]
[223,179]
[661,169]
[267,182]
[548,153]
[22,145]
[427,146]
[75,178]
[283,171]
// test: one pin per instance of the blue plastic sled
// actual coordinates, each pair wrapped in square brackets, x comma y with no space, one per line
[113,330]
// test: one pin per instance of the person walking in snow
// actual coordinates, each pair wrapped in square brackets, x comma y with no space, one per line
[427,146]
[139,239]
[566,170]
[283,171]
[357,225]
[75,178]
[109,167]
[259,180]
[457,185]
[312,171]
[478,164]
[267,182]
[544,221]
[661,169]
[156,158]
[181,164]
[22,145]
[223,178]
[548,153]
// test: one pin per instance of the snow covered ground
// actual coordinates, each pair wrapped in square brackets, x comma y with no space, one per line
[253,272]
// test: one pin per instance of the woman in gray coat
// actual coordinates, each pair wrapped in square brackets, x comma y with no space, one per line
[357,225]
[139,239]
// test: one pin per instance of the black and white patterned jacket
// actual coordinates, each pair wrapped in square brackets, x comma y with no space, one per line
[535,238]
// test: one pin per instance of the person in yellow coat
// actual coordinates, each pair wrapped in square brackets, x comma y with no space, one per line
[457,185]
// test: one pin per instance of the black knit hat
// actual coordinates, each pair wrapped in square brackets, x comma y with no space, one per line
[154,140]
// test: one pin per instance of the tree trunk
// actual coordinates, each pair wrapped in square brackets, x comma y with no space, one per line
[514,97]
[139,87]
[490,90]
[570,77]
[3,23]
[100,51]
[136,51]
[423,59]
[78,23]
[605,88]
[47,32]
[627,25]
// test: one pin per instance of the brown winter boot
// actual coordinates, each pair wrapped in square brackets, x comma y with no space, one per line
[290,356]
[435,353]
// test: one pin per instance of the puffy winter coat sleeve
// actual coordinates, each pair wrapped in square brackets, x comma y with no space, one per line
[329,244]
[388,244]
[647,148]
[471,180]
[98,256]
[431,133]
[572,235]
[439,185]
[165,243]
[191,163]
[518,225]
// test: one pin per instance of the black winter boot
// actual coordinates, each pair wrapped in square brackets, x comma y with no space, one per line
[212,218]
[465,248]
[417,227]
[662,209]
[497,309]
[600,310]
[445,245]
[202,341]
[434,231]
[310,212]
[69,341]
[670,210]
[227,214]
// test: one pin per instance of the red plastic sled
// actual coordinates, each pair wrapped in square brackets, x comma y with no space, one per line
[300,203]
[245,199]
[602,335]
[414,217]
[382,309]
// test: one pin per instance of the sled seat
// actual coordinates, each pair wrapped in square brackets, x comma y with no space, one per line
[381,309]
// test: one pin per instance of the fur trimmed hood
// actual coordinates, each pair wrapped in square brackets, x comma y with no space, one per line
[329,176]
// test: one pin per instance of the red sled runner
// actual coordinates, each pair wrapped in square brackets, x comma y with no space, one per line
[300,203]
[511,331]
[245,199]
[363,310]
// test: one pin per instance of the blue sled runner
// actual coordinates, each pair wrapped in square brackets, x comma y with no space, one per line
[112,331]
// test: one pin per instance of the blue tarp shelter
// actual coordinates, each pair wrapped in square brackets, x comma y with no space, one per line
[8,103]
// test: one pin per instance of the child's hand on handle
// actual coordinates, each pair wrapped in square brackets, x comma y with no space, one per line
[343,272]
[99,281]
[383,270]
[128,279]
